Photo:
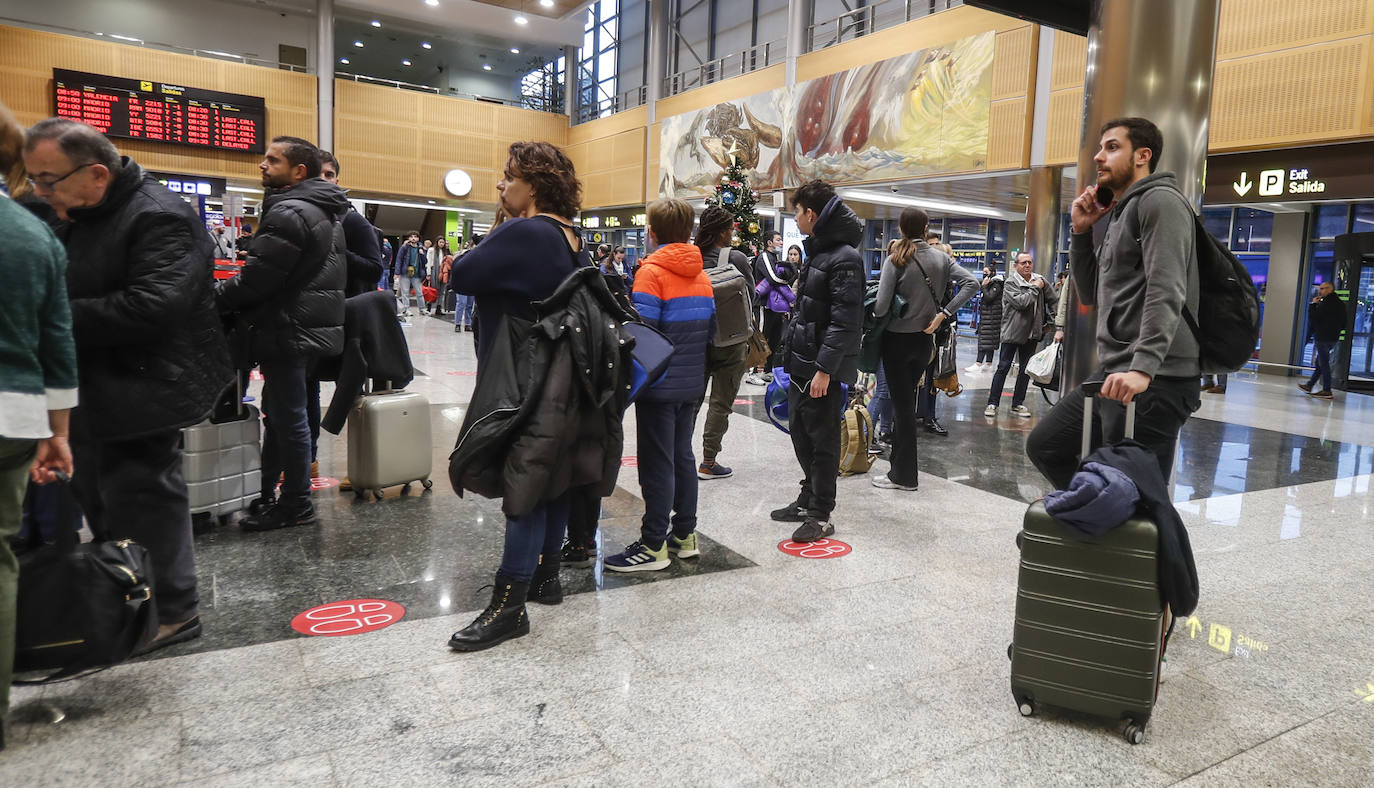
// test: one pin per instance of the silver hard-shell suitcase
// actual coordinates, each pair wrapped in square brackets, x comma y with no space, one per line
[389,442]
[222,464]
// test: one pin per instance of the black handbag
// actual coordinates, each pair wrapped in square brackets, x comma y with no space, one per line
[82,606]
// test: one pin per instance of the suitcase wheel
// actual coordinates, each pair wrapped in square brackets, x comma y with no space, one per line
[376,495]
[1135,733]
[426,483]
[1026,706]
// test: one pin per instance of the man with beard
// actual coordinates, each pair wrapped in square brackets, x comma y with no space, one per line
[1141,278]
[289,300]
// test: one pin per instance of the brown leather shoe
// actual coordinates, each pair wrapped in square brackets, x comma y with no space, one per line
[314,469]
[345,485]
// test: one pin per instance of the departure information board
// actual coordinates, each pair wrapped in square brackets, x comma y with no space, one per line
[160,111]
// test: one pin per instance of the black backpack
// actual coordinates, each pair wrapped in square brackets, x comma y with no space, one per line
[1228,305]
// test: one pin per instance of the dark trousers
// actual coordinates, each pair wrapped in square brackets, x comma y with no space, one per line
[286,430]
[667,469]
[1321,356]
[135,489]
[815,427]
[905,358]
[312,414]
[527,537]
[1055,444]
[773,324]
[925,395]
[584,515]
[986,356]
[725,368]
[1021,352]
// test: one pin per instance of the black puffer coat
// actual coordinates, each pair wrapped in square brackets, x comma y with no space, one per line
[150,352]
[289,298]
[827,319]
[990,316]
[546,414]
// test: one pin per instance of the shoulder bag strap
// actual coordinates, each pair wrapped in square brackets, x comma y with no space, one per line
[723,257]
[938,302]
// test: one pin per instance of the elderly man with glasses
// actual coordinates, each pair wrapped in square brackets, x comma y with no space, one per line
[151,355]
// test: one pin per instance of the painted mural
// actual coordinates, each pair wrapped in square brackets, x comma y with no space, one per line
[908,116]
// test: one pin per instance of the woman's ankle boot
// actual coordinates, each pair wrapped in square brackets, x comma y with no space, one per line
[545,587]
[503,619]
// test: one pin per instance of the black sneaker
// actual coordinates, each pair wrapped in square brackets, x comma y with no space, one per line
[813,530]
[577,556]
[791,513]
[260,505]
[934,427]
[282,515]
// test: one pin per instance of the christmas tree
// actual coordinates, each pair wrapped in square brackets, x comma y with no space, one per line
[734,195]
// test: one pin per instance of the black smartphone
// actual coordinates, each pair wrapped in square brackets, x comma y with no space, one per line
[1105,196]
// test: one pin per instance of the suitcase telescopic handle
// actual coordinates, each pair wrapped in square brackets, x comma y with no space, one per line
[1090,392]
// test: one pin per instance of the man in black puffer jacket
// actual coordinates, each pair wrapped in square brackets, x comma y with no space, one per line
[151,356]
[289,301]
[822,344]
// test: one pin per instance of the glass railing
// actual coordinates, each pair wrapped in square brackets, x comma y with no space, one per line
[212,54]
[628,99]
[735,64]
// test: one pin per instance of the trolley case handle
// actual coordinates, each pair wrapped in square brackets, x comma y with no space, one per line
[1090,392]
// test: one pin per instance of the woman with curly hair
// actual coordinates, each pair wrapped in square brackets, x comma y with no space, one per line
[521,260]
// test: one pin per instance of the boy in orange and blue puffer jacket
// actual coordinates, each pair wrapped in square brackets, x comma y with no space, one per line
[674,295]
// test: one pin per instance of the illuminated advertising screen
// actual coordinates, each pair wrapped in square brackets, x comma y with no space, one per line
[162,112]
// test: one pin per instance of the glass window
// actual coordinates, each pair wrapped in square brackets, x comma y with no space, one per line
[997,234]
[1331,221]
[1364,218]
[1252,231]
[1218,222]
[968,234]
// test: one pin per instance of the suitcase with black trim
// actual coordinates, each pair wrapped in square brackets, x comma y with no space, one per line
[1090,621]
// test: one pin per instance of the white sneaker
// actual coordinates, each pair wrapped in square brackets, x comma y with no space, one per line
[990,410]
[1022,411]
[884,483]
[974,367]
[755,379]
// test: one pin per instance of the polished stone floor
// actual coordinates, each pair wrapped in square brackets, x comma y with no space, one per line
[750,666]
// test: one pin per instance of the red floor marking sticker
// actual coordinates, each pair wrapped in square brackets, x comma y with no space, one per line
[349,617]
[465,373]
[323,482]
[422,352]
[255,375]
[744,402]
[825,548]
[629,462]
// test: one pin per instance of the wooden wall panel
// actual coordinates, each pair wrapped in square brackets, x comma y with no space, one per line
[1301,95]
[406,140]
[1070,61]
[1065,126]
[27,58]
[1249,27]
[727,90]
[1013,69]
[1007,143]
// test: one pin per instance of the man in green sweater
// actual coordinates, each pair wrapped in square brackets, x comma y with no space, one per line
[37,372]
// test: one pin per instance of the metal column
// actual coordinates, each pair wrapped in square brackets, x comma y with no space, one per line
[800,15]
[1152,60]
[324,70]
[654,69]
[570,69]
[1042,218]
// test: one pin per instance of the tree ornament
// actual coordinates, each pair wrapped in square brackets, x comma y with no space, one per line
[753,227]
[728,198]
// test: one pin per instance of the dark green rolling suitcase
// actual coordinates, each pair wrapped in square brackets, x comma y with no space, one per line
[1090,623]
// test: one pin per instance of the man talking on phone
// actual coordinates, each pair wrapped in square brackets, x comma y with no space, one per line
[1141,278]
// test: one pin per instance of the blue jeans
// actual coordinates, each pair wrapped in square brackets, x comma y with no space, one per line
[527,536]
[462,309]
[880,407]
[1321,356]
[286,430]
[667,469]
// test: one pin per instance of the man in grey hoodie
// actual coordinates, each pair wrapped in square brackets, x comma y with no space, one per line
[1141,278]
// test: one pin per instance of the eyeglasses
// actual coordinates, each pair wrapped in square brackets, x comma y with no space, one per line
[47,184]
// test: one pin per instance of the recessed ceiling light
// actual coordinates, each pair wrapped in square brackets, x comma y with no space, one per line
[405,62]
[343,60]
[520,20]
[375,23]
[431,2]
[546,3]
[514,50]
[486,67]
[358,44]
[426,45]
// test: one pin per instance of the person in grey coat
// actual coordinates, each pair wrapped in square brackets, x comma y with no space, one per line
[919,272]
[1141,278]
[1023,326]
